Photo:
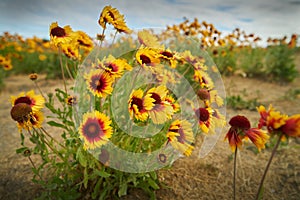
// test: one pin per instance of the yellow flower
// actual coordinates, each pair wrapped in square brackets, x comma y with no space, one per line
[99,83]
[59,35]
[147,57]
[22,113]
[114,67]
[95,130]
[162,109]
[169,56]
[272,119]
[36,102]
[42,57]
[110,15]
[138,105]
[180,135]
[258,137]
[84,40]
[147,39]
[205,119]
[71,50]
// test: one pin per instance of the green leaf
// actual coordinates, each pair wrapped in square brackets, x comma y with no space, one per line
[102,174]
[122,190]
[21,150]
[85,178]
[153,184]
[53,123]
[81,158]
[97,188]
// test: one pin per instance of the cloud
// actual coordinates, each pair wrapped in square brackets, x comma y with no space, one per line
[265,18]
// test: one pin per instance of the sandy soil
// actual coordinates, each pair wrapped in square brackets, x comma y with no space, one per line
[190,178]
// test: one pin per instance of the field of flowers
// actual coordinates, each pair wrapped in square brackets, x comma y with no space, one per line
[186,113]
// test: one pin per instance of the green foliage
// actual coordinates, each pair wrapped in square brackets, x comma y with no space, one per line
[238,103]
[280,63]
[67,171]
[292,94]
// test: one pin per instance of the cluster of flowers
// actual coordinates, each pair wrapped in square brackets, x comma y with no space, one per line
[210,36]
[155,103]
[274,122]
[70,42]
[5,62]
[20,47]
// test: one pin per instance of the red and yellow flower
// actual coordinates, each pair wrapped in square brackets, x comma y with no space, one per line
[114,67]
[292,126]
[139,105]
[95,130]
[180,135]
[35,101]
[241,129]
[99,83]
[59,35]
[147,57]
[110,15]
[271,118]
[162,109]
[205,119]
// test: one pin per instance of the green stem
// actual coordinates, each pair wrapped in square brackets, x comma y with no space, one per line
[267,167]
[39,89]
[33,165]
[62,69]
[52,138]
[234,172]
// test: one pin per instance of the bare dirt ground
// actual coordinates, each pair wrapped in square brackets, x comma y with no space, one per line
[190,178]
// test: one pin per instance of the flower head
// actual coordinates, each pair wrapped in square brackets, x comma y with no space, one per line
[95,130]
[241,129]
[162,109]
[114,67]
[205,119]
[110,15]
[148,39]
[271,119]
[292,126]
[36,102]
[59,35]
[99,83]
[147,57]
[139,105]
[22,113]
[180,135]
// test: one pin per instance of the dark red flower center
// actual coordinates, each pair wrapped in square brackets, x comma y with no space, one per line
[92,130]
[23,100]
[111,14]
[98,83]
[239,121]
[138,102]
[145,59]
[167,54]
[58,32]
[112,67]
[156,97]
[202,114]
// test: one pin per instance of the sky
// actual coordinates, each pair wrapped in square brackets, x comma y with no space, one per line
[265,18]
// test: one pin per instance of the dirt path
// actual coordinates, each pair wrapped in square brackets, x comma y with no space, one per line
[191,178]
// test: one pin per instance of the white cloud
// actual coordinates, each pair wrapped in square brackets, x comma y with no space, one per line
[265,18]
